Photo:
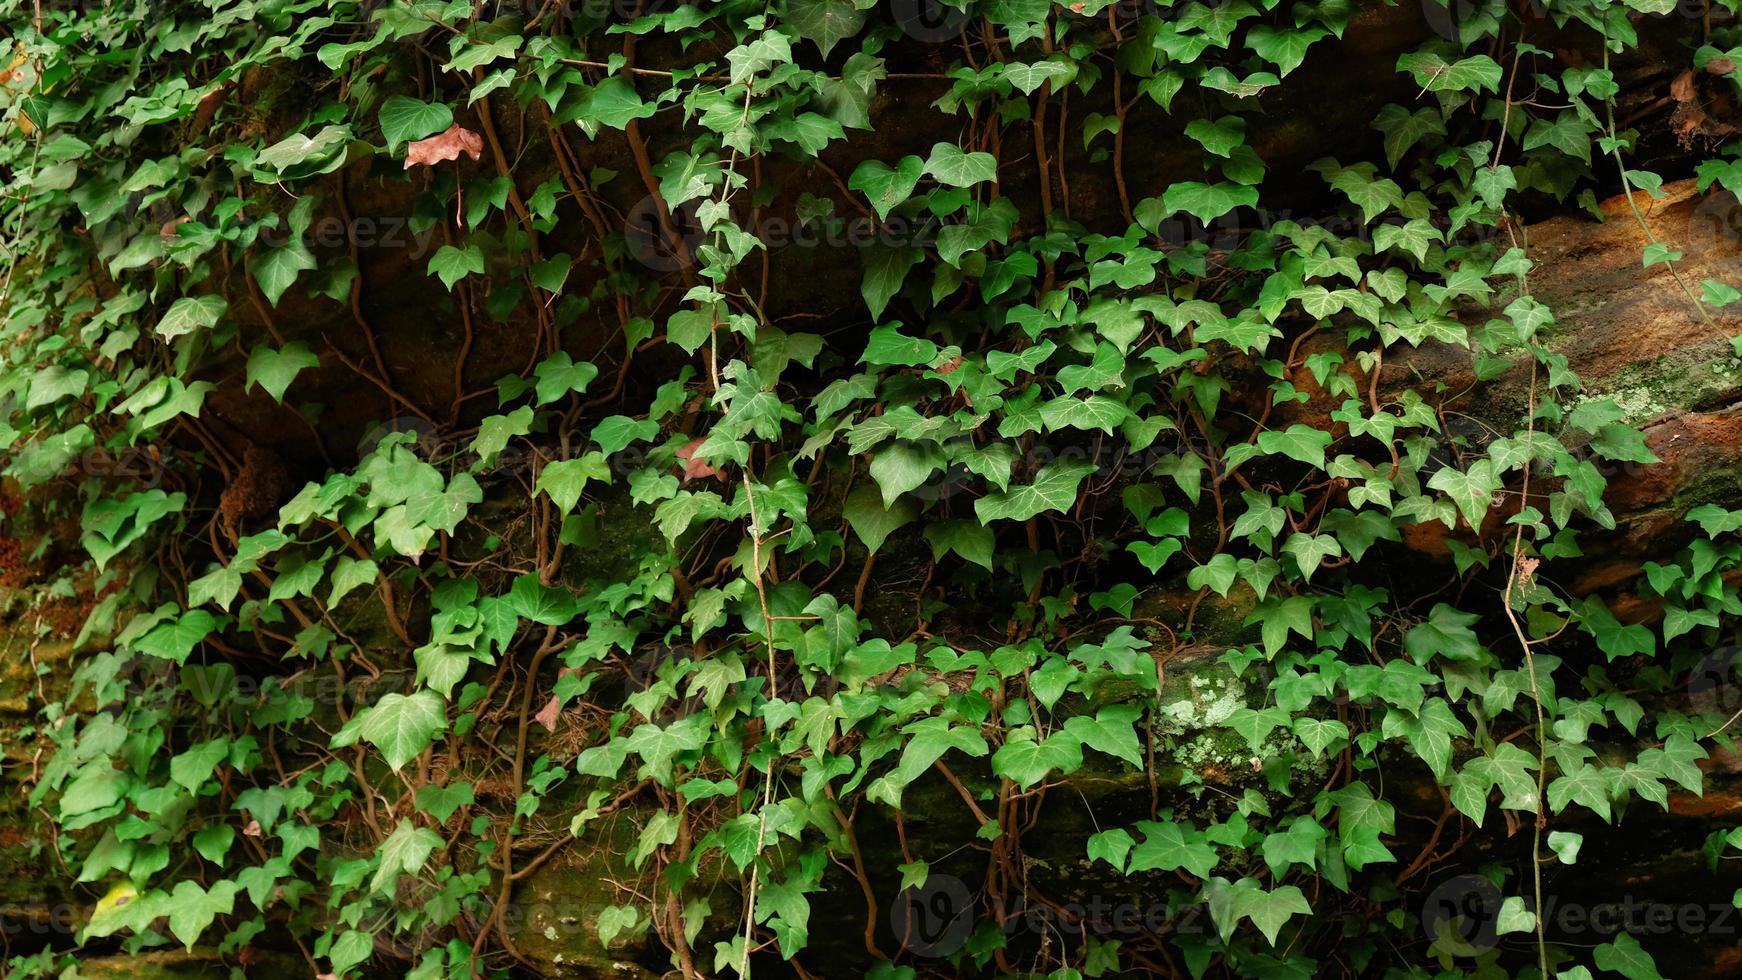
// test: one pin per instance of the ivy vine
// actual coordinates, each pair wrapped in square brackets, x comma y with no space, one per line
[409,400]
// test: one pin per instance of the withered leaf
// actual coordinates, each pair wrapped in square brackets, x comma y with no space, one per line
[547,715]
[208,107]
[695,468]
[1682,89]
[444,146]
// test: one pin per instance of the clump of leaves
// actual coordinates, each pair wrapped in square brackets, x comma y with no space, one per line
[699,597]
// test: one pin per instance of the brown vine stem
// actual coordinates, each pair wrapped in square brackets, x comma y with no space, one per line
[356,291]
[859,873]
[773,689]
[545,649]
[1121,108]
[1520,571]
[756,541]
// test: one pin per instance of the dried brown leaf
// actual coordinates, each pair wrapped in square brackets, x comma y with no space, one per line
[208,107]
[694,468]
[444,146]
[1527,569]
[1682,89]
[547,715]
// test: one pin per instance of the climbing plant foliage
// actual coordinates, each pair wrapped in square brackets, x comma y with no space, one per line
[512,527]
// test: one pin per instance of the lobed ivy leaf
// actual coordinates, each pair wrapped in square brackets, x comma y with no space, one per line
[872,520]
[405,851]
[1302,443]
[884,186]
[273,369]
[192,908]
[1028,760]
[1169,846]
[954,167]
[402,726]
[1054,489]
[190,314]
[824,23]
[1207,202]
[1435,74]
[277,268]
[404,119]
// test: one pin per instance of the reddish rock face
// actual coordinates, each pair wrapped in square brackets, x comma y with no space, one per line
[1692,446]
[1634,336]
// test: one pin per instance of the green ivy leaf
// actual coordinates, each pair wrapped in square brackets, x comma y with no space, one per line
[192,908]
[564,480]
[277,268]
[1298,442]
[889,347]
[191,314]
[886,268]
[174,641]
[1472,490]
[1028,78]
[1319,734]
[404,119]
[1217,574]
[824,23]
[1584,786]
[405,851]
[968,539]
[402,726]
[871,520]
[1054,488]
[273,369]
[1113,730]
[441,802]
[351,948]
[1625,956]
[884,186]
[192,768]
[1715,293]
[213,842]
[1435,74]
[614,103]
[1207,202]
[450,264]
[547,605]
[1565,844]
[1218,136]
[52,384]
[1446,633]
[1271,910]
[298,155]
[953,167]
[1284,47]
[1111,846]
[559,375]
[659,746]
[1027,761]
[1169,846]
